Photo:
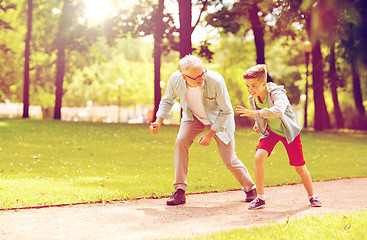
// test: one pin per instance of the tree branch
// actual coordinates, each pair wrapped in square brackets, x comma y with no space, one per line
[205,3]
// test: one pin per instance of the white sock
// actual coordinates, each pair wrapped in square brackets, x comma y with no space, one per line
[309,197]
[262,197]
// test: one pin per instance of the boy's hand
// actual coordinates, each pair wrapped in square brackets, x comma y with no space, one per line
[256,128]
[244,112]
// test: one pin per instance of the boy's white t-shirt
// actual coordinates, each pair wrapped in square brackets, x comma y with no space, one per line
[194,98]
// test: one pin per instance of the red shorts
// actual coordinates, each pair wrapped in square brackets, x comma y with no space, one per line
[294,149]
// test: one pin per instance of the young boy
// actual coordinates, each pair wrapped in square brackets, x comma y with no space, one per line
[275,120]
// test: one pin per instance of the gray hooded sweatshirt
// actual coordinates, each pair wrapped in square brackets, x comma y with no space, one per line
[280,108]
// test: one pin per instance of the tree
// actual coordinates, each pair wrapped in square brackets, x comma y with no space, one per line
[6,50]
[26,60]
[308,14]
[72,36]
[321,117]
[334,82]
[243,12]
[61,41]
[352,52]
[148,18]
[4,7]
[158,37]
[186,29]
[185,15]
[330,24]
[345,20]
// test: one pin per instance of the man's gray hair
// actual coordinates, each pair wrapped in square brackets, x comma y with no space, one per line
[189,61]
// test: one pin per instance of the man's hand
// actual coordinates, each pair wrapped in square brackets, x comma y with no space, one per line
[256,128]
[154,126]
[205,139]
[244,112]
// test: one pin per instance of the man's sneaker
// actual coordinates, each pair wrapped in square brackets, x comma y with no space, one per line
[251,195]
[315,202]
[177,198]
[256,204]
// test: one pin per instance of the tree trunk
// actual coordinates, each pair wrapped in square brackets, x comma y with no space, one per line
[27,53]
[258,29]
[305,124]
[185,15]
[61,61]
[158,36]
[334,85]
[318,86]
[357,93]
[60,72]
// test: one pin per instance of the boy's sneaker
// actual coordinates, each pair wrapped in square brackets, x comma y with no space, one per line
[256,204]
[315,202]
[251,195]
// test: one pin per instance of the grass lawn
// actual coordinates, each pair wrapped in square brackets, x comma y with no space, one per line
[329,227]
[46,162]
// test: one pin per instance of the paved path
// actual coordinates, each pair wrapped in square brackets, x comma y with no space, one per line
[203,213]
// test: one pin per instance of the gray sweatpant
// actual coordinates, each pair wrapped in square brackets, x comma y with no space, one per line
[186,135]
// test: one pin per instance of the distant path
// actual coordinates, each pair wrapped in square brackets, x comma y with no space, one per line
[203,213]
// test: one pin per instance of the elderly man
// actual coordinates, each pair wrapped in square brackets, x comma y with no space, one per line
[205,102]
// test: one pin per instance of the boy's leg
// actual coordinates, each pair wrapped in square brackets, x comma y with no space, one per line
[296,159]
[259,201]
[260,158]
[306,179]
[185,137]
[263,150]
[237,168]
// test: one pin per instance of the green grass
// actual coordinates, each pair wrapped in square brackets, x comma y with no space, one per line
[332,226]
[45,162]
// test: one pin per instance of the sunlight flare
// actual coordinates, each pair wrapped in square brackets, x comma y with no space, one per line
[98,10]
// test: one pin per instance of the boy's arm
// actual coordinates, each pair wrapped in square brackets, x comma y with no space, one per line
[256,128]
[244,112]
[280,103]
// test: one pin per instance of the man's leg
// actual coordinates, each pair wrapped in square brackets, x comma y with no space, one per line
[237,168]
[186,135]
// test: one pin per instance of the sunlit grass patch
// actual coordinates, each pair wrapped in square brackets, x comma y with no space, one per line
[332,226]
[50,162]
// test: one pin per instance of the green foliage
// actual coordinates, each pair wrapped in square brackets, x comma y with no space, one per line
[51,162]
[98,82]
[283,66]
[93,66]
[233,55]
[11,50]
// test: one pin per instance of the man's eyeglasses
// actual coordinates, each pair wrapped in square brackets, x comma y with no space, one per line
[198,77]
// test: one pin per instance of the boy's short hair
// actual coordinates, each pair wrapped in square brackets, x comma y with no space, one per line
[259,71]
[189,61]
